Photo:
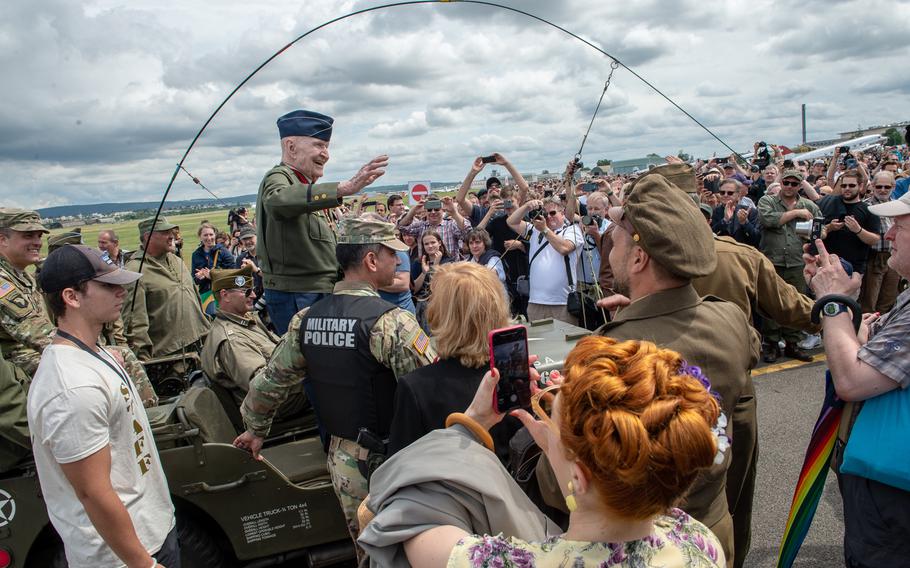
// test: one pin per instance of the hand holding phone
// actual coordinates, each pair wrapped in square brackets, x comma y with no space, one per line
[488,159]
[509,356]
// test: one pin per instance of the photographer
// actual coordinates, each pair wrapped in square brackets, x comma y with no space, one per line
[553,257]
[451,230]
[851,229]
[513,251]
[869,367]
[493,190]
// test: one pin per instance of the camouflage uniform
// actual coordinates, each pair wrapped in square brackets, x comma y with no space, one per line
[396,341]
[25,327]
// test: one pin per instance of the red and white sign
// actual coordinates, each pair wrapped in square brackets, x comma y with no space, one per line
[418,191]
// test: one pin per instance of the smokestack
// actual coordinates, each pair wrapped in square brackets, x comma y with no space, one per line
[804,123]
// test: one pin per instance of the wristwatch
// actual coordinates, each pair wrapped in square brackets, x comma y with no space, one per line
[832,309]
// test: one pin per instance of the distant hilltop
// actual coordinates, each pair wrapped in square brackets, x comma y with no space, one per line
[105,209]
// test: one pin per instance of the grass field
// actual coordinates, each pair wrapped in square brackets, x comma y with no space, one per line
[128,231]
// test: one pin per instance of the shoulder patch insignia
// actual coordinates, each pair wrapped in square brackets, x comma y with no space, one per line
[6,287]
[421,342]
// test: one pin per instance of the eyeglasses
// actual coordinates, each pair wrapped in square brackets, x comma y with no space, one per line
[727,192]
[849,185]
[553,212]
[790,183]
[540,412]
[884,186]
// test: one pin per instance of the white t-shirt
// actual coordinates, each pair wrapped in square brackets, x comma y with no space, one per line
[77,405]
[549,285]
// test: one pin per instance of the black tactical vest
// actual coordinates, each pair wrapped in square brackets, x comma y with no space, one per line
[352,390]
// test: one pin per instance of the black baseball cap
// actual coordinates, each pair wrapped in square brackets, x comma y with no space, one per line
[70,265]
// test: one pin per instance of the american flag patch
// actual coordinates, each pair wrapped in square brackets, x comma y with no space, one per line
[6,288]
[421,342]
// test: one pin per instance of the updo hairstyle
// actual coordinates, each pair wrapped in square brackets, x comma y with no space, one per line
[641,429]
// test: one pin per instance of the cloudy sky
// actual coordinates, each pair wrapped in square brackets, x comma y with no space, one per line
[102,97]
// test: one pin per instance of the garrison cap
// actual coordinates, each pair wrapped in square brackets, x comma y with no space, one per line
[669,227]
[369,231]
[233,278]
[792,174]
[680,175]
[20,220]
[162,225]
[306,123]
[69,238]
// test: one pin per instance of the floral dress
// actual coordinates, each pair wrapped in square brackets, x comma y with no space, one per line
[678,541]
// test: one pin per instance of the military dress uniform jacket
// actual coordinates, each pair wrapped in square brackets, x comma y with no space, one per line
[25,326]
[396,341]
[295,244]
[747,278]
[236,348]
[167,316]
[715,336]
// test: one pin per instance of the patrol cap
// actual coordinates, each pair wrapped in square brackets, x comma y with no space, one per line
[893,208]
[71,265]
[792,174]
[162,225]
[20,220]
[369,231]
[228,279]
[68,238]
[247,231]
[306,123]
[668,226]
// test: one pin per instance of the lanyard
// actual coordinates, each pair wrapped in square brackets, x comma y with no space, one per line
[113,366]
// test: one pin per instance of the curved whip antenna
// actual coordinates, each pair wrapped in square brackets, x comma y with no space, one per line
[382,7]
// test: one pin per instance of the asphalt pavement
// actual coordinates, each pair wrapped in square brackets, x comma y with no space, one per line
[788,403]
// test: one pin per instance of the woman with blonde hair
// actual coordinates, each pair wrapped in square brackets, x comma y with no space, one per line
[467,302]
[629,430]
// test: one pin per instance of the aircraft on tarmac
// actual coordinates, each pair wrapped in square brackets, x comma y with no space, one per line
[855,144]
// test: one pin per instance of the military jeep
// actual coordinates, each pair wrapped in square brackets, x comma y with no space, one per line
[231,509]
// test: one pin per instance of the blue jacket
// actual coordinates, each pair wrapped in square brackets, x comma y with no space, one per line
[203,259]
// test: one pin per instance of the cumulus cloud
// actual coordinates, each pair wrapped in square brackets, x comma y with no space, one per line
[101,98]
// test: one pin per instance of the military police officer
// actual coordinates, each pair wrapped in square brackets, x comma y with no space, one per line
[239,345]
[352,346]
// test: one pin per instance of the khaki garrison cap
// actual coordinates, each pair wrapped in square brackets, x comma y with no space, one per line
[669,227]
[223,279]
[368,232]
[20,220]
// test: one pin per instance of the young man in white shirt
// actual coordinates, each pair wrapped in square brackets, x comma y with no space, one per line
[97,463]
[552,240]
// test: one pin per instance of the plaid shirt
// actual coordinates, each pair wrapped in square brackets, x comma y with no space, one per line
[885,223]
[889,343]
[450,232]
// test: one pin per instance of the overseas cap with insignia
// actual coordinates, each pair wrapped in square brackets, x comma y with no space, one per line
[368,232]
[306,123]
[71,265]
[20,220]
[230,279]
[162,225]
[57,241]
[669,227]
[792,174]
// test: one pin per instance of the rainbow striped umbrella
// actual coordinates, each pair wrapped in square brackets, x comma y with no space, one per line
[812,477]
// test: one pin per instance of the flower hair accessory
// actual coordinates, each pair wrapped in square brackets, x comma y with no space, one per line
[719,429]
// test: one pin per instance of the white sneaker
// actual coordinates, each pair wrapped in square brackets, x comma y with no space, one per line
[813,341]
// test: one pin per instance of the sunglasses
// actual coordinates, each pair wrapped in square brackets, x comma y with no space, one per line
[246,292]
[553,212]
[884,186]
[433,208]
[727,192]
[849,185]
[790,183]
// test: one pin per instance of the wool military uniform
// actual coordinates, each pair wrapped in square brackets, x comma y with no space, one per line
[166,317]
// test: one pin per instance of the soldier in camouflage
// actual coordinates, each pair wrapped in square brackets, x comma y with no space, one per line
[25,325]
[352,346]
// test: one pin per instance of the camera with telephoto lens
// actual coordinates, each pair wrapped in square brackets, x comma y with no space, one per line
[589,220]
[762,156]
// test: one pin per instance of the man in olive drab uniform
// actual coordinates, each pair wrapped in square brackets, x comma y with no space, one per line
[296,239]
[166,317]
[239,345]
[352,346]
